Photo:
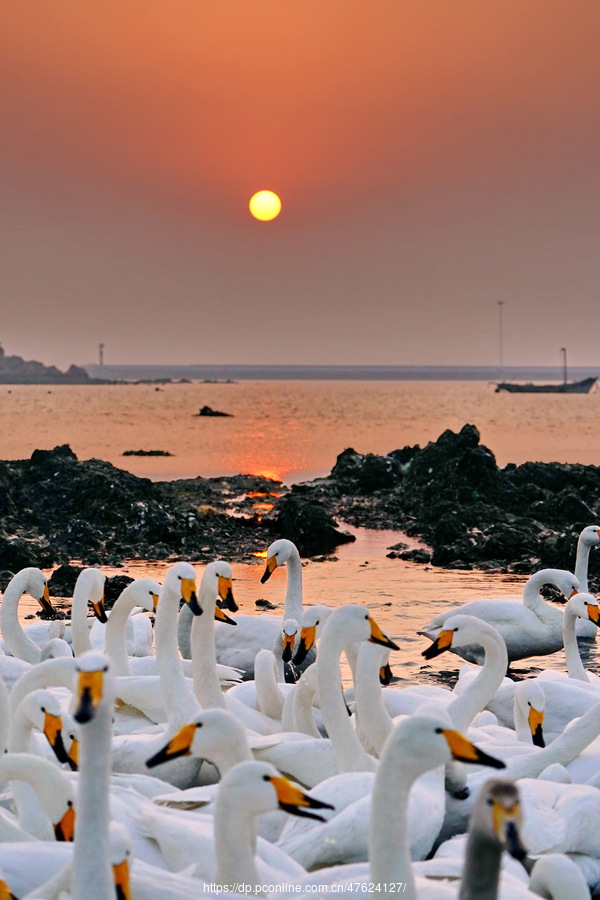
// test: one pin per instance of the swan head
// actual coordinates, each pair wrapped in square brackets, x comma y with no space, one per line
[590,536]
[217,583]
[205,737]
[289,632]
[278,553]
[34,582]
[143,592]
[90,583]
[43,711]
[585,606]
[530,703]
[257,787]
[313,618]
[565,581]
[94,686]
[497,815]
[180,584]
[461,631]
[352,623]
[425,741]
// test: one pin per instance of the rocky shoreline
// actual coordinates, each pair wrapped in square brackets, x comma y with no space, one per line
[468,512]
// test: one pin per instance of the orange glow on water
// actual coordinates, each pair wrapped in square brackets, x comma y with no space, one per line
[260,554]
[265,507]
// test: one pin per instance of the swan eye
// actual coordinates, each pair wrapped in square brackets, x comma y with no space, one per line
[199,724]
[266,777]
[69,803]
[438,731]
[179,576]
[317,622]
[455,629]
[490,802]
[105,669]
[43,709]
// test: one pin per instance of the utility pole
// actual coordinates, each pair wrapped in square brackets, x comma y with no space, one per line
[500,336]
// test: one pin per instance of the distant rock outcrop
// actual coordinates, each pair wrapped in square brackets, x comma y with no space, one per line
[16,370]
[208,411]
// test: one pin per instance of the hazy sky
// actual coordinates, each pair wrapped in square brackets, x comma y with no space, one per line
[433,157]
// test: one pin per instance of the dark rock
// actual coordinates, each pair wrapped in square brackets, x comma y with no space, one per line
[62,581]
[366,473]
[113,588]
[309,526]
[208,411]
[261,603]
[146,453]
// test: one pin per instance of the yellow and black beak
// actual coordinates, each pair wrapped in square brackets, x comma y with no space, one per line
[99,611]
[572,594]
[188,593]
[44,602]
[463,750]
[288,647]
[378,637]
[535,719]
[226,593]
[271,566]
[386,676]
[155,598]
[222,616]
[179,745]
[121,879]
[90,688]
[65,829]
[442,642]
[73,755]
[593,613]
[507,823]
[5,892]
[53,732]
[307,638]
[292,800]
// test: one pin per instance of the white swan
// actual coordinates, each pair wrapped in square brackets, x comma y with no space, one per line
[530,627]
[144,592]
[88,591]
[31,581]
[239,649]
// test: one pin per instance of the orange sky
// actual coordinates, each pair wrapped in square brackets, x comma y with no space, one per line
[433,157]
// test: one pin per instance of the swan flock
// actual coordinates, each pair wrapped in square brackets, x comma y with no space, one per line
[206,753]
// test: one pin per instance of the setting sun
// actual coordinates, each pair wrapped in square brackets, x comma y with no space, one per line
[265,205]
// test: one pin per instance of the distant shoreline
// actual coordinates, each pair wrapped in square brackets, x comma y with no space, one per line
[222,373]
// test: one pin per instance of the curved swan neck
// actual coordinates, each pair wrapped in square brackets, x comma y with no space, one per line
[15,638]
[463,708]
[575,667]
[235,843]
[349,754]
[115,639]
[57,672]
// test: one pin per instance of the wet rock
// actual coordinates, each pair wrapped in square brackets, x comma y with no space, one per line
[368,472]
[113,588]
[309,526]
[208,411]
[62,581]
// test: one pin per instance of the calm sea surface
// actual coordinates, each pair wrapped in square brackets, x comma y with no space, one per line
[294,431]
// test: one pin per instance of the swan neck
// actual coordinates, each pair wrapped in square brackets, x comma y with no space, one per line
[581,564]
[235,844]
[292,607]
[389,850]
[349,754]
[575,667]
[58,672]
[80,632]
[115,641]
[477,695]
[207,687]
[481,870]
[269,698]
[372,718]
[180,703]
[92,874]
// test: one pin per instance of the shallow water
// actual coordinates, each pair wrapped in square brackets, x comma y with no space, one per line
[290,430]
[294,430]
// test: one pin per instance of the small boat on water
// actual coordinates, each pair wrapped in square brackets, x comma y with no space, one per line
[567,387]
